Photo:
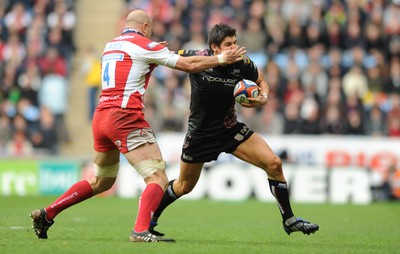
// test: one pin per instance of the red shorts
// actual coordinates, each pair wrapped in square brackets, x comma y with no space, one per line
[120,128]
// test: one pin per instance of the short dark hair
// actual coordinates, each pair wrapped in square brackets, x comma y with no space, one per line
[219,32]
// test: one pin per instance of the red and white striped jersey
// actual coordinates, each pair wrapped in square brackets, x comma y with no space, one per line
[127,63]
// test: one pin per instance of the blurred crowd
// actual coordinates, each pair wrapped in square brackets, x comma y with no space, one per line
[36,49]
[333,66]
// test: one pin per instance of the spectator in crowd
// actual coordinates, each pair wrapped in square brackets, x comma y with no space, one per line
[375,123]
[334,36]
[393,117]
[18,19]
[5,131]
[310,116]
[332,120]
[46,137]
[355,82]
[298,10]
[63,17]
[375,79]
[392,85]
[315,80]
[14,50]
[29,82]
[292,120]
[391,18]
[53,94]
[374,38]
[19,145]
[53,61]
[294,37]
[354,124]
[91,70]
[36,35]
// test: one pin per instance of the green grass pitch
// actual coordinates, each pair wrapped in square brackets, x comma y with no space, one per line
[102,225]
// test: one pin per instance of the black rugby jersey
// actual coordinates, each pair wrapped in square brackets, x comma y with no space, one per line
[212,105]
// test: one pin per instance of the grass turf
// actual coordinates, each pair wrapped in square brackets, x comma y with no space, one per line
[102,225]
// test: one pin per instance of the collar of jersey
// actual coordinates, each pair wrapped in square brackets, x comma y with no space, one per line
[131,30]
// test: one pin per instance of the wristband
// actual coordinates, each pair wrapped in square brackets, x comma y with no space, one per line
[221,59]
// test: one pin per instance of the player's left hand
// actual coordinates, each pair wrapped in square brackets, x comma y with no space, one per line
[261,100]
[233,55]
[164,43]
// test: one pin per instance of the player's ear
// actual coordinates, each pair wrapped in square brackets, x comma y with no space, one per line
[214,47]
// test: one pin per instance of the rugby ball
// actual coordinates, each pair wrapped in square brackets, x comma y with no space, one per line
[245,89]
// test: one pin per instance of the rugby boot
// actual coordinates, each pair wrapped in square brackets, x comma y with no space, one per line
[151,229]
[300,225]
[40,223]
[146,236]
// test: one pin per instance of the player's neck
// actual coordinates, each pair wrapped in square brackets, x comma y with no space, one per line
[131,30]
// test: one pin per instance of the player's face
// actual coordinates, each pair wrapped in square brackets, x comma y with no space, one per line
[227,44]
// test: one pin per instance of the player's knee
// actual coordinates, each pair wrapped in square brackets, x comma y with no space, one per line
[100,184]
[187,188]
[104,185]
[183,188]
[158,177]
[274,167]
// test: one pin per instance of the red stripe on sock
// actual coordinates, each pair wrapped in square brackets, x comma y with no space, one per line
[75,194]
[148,203]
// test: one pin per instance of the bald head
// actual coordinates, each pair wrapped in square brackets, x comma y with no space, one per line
[140,21]
[136,18]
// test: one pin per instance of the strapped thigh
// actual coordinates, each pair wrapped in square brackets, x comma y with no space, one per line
[106,171]
[148,167]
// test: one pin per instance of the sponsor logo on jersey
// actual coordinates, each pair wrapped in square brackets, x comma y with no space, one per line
[109,98]
[152,44]
[109,57]
[203,52]
[239,137]
[114,45]
[226,81]
[245,130]
[246,59]
[187,157]
[123,37]
[235,71]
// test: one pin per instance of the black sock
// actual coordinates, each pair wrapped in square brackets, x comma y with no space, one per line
[281,194]
[168,198]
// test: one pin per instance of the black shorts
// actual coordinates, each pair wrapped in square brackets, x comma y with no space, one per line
[206,149]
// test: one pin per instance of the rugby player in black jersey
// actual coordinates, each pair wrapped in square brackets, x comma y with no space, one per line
[213,129]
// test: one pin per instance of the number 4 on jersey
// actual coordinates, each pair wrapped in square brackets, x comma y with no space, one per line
[108,75]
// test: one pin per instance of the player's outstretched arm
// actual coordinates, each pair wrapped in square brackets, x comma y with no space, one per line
[200,63]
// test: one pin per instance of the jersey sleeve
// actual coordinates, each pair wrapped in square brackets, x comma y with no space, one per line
[162,57]
[249,69]
[190,52]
